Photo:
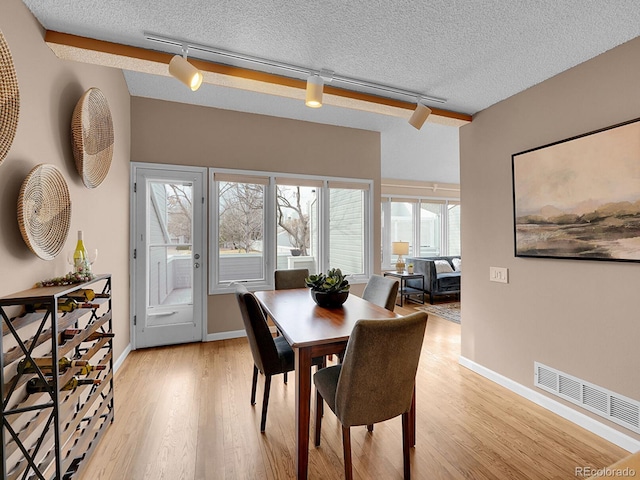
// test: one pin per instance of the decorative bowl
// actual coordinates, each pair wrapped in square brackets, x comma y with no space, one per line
[329,299]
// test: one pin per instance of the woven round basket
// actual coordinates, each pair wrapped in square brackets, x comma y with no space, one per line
[9,99]
[92,137]
[44,211]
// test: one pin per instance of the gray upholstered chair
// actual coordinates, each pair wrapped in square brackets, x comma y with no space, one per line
[376,380]
[288,279]
[271,356]
[382,291]
[294,278]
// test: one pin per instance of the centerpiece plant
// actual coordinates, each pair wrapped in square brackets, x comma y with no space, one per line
[330,289]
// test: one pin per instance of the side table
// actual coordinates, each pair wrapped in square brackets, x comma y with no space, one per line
[404,291]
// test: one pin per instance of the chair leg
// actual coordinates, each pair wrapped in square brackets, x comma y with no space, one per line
[253,385]
[286,377]
[319,412]
[265,402]
[346,447]
[370,428]
[406,442]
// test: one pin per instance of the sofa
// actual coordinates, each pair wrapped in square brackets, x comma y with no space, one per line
[441,275]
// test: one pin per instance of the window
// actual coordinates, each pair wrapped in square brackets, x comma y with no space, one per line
[430,229]
[297,204]
[263,222]
[453,223]
[346,230]
[240,223]
[434,225]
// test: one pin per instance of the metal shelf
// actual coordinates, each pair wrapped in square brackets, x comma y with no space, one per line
[51,435]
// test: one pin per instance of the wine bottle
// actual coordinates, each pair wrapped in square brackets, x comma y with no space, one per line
[36,384]
[46,364]
[80,256]
[65,304]
[71,332]
[87,295]
[90,368]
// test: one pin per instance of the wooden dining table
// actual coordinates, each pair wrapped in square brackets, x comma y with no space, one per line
[314,331]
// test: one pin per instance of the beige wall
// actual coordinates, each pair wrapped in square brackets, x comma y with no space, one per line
[173,133]
[49,91]
[580,317]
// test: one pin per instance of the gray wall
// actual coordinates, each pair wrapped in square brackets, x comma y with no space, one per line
[49,91]
[580,317]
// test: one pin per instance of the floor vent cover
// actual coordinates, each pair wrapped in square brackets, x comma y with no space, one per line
[612,406]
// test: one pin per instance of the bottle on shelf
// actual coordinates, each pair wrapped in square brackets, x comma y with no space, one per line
[80,256]
[36,384]
[69,333]
[90,368]
[65,304]
[86,295]
[46,364]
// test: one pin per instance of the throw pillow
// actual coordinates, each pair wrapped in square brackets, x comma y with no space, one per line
[457,264]
[442,266]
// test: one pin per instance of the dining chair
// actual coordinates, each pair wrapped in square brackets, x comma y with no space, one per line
[382,291]
[271,356]
[375,382]
[294,278]
[287,279]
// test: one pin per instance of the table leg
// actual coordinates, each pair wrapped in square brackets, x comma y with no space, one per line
[303,400]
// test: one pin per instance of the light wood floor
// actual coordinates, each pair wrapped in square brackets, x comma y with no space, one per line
[183,412]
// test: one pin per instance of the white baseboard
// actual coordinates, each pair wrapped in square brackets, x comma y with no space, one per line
[118,363]
[610,434]
[212,337]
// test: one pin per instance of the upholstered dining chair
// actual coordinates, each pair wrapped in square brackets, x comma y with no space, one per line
[294,278]
[375,382]
[271,356]
[382,291]
[288,279]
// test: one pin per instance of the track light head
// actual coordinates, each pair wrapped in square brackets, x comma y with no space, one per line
[180,68]
[315,85]
[419,115]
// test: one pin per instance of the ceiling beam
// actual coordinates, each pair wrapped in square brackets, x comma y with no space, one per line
[126,57]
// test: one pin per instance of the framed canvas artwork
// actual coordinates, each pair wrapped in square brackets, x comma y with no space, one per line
[580,198]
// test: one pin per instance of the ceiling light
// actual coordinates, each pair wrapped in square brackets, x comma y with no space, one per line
[228,57]
[315,85]
[180,68]
[419,115]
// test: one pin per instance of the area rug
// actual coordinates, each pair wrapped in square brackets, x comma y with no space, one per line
[448,311]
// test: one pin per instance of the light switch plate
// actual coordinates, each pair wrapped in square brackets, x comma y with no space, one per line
[499,274]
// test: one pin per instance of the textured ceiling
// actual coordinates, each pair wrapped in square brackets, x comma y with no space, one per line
[473,53]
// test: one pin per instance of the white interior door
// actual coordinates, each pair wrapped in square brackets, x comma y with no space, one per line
[169,264]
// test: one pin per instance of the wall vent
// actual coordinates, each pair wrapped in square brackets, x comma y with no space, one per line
[612,406]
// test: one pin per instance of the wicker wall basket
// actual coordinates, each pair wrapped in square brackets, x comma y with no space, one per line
[44,211]
[9,99]
[92,137]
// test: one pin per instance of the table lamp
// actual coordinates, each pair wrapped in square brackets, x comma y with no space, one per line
[400,248]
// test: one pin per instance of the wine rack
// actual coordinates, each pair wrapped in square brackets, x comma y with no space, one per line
[50,435]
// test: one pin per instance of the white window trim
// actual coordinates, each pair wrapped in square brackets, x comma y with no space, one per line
[387,261]
[270,232]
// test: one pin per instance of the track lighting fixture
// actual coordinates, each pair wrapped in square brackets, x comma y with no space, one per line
[180,68]
[315,80]
[419,115]
[315,85]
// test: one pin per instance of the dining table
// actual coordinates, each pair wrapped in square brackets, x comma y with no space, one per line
[314,331]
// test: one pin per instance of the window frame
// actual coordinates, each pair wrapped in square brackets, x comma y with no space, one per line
[386,200]
[270,227]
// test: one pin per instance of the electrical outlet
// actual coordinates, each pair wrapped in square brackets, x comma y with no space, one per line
[499,274]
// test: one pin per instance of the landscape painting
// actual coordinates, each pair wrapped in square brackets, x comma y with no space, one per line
[580,198]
